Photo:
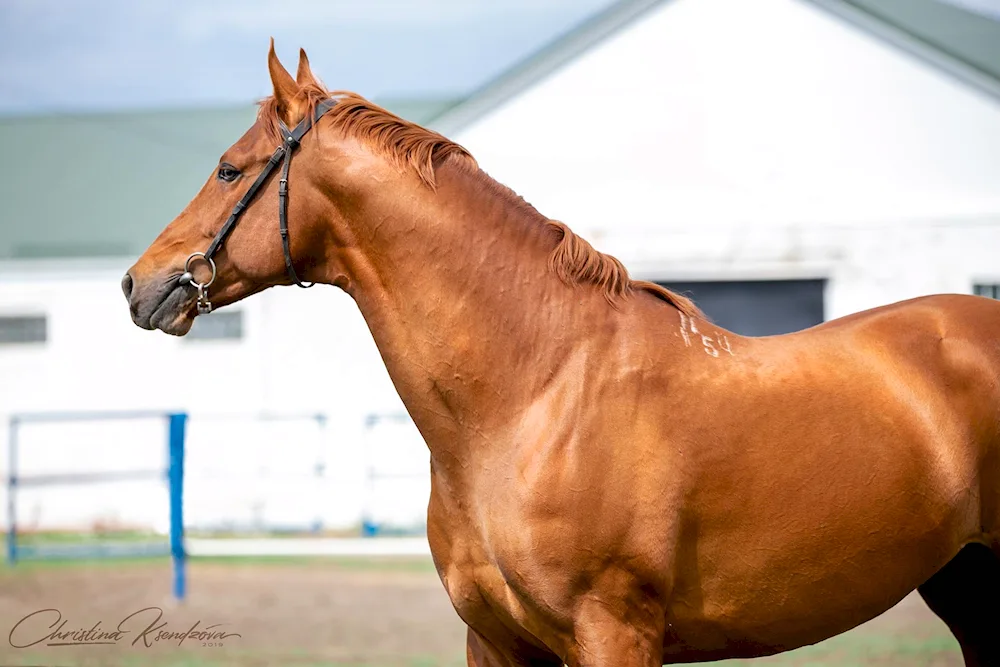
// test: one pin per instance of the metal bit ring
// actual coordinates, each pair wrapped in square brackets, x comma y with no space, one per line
[190,276]
[204,305]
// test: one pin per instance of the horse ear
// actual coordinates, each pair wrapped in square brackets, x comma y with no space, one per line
[304,75]
[285,88]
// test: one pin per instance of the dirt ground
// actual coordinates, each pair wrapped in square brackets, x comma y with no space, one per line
[322,613]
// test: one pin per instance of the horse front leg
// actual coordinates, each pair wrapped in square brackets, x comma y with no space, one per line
[604,638]
[482,653]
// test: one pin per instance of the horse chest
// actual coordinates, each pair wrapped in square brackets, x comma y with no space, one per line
[472,589]
[486,600]
[483,576]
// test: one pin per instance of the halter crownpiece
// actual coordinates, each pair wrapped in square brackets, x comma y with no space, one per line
[282,154]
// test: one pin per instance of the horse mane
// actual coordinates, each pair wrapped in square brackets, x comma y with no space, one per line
[408,145]
[403,143]
[576,261]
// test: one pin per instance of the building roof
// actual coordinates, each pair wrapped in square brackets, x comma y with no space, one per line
[544,62]
[960,42]
[105,184]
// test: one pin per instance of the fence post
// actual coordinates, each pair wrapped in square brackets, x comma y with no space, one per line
[178,422]
[12,491]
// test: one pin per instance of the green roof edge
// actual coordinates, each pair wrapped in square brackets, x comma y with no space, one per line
[598,28]
[931,53]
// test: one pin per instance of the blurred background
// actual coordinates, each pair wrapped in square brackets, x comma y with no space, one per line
[784,162]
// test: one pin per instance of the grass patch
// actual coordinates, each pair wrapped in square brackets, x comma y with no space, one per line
[352,563]
[192,659]
[859,648]
[356,563]
[31,566]
[60,537]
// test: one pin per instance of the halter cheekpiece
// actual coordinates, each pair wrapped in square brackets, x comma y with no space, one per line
[282,154]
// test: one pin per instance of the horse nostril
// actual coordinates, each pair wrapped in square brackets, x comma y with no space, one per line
[127,286]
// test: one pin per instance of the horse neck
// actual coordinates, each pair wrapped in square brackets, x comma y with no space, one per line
[456,290]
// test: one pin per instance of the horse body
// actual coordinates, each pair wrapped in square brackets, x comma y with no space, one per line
[615,480]
[729,503]
[843,476]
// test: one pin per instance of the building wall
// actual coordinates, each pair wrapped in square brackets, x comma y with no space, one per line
[95,358]
[866,265]
[304,352]
[309,351]
[716,139]
[739,131]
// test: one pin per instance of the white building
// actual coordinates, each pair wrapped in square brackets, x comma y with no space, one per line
[725,140]
[786,161]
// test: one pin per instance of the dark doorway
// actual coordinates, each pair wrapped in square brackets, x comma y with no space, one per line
[757,307]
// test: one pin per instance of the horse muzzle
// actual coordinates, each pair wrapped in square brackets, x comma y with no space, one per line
[166,305]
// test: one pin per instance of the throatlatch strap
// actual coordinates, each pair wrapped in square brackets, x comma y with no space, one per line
[283,217]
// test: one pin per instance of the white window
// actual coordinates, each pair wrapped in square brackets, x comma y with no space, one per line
[991,290]
[225,325]
[23,329]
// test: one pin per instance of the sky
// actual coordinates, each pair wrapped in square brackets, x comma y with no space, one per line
[989,8]
[99,55]
[74,55]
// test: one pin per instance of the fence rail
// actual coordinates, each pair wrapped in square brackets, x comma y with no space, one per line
[173,474]
[387,486]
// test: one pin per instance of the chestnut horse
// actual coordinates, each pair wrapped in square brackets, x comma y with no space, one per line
[615,480]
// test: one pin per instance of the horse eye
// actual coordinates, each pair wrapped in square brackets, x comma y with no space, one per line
[228,172]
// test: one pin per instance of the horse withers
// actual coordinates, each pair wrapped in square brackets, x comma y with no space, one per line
[615,480]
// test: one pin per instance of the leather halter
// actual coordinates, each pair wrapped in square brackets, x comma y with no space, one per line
[282,154]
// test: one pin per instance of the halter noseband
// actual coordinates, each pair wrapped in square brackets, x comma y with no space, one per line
[282,154]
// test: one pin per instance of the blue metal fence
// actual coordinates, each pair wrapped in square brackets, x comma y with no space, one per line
[370,525]
[175,473]
[172,474]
